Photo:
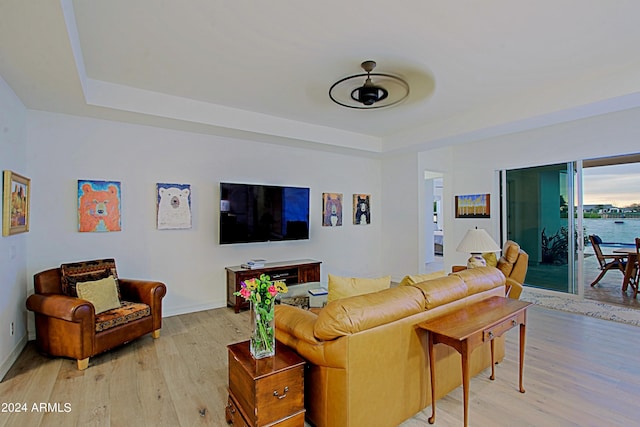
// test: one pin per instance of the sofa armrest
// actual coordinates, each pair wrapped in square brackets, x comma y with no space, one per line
[62,307]
[294,328]
[513,289]
[146,291]
[296,322]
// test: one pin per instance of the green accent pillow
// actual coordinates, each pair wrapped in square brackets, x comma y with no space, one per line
[343,287]
[490,258]
[103,293]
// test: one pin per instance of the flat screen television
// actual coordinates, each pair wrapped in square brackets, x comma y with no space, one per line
[262,213]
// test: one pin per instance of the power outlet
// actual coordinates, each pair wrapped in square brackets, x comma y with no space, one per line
[12,329]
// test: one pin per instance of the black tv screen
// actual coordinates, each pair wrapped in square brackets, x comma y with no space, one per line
[263,213]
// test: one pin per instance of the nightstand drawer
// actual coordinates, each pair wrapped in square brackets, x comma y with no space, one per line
[232,414]
[279,395]
[502,327]
[268,391]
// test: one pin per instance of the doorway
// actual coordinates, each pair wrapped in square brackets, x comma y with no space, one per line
[540,218]
[611,210]
[434,239]
[551,210]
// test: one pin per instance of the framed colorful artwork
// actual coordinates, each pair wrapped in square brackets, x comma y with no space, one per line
[331,209]
[473,206]
[362,209]
[15,203]
[99,206]
[173,206]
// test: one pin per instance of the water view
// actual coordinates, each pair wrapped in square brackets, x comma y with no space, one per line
[613,232]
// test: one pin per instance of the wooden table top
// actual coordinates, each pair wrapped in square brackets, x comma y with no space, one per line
[470,320]
[627,251]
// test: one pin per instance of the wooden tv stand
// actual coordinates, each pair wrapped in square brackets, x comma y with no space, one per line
[291,272]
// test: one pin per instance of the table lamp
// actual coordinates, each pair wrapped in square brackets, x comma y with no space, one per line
[476,242]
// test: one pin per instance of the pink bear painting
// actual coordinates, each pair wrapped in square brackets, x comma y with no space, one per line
[98,206]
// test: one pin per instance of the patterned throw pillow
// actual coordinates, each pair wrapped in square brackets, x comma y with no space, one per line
[69,283]
[103,267]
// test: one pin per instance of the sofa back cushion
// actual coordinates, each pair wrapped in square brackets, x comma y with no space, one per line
[343,287]
[481,279]
[358,313]
[441,291]
[417,278]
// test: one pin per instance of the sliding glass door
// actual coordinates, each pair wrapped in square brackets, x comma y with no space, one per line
[538,204]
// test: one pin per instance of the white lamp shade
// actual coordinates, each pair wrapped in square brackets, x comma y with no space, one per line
[477,241]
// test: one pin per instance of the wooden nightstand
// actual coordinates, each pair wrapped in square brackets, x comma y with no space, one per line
[265,392]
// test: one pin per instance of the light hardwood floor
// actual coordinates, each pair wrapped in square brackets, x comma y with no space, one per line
[579,371]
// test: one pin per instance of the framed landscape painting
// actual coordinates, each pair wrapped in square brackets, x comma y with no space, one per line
[15,203]
[473,206]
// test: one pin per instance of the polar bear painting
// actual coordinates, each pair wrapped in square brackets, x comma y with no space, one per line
[174,206]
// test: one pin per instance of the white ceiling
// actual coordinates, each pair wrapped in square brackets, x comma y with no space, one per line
[262,70]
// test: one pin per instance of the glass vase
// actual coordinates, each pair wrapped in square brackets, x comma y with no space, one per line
[263,336]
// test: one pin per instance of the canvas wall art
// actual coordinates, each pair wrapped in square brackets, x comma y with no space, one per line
[331,209]
[362,209]
[473,206]
[15,203]
[173,206]
[99,206]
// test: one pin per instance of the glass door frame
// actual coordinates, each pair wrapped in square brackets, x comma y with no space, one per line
[575,234]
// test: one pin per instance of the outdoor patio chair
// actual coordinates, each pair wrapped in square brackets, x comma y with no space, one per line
[607,262]
[636,276]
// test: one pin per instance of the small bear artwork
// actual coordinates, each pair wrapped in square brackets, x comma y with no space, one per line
[174,206]
[331,209]
[361,209]
[98,206]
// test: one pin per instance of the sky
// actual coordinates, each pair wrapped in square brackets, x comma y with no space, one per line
[617,185]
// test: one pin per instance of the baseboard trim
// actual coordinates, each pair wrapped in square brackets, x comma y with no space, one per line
[175,311]
[11,359]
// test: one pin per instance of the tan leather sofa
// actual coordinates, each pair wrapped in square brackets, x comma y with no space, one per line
[367,358]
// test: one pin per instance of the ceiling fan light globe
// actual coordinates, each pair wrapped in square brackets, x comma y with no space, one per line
[369,95]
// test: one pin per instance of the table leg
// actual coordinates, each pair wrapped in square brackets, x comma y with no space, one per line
[493,362]
[628,271]
[465,380]
[523,331]
[432,369]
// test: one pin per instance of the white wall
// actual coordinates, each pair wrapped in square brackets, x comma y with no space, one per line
[63,149]
[13,249]
[401,234]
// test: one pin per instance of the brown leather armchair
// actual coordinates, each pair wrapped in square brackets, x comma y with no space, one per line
[68,326]
[513,263]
